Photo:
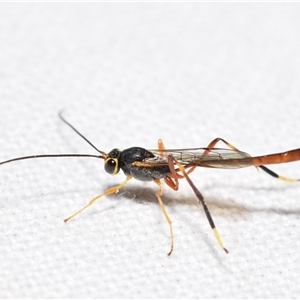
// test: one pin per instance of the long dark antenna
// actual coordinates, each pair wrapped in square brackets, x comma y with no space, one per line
[102,156]
[65,121]
[50,155]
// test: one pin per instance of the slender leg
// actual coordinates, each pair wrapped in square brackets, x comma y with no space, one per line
[171,161]
[273,174]
[215,141]
[172,181]
[264,168]
[107,192]
[161,204]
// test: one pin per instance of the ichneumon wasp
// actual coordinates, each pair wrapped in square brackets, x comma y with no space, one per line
[172,165]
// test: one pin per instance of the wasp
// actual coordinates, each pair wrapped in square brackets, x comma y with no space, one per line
[171,165]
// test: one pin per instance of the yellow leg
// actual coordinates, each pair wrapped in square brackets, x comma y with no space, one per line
[161,204]
[107,192]
[287,179]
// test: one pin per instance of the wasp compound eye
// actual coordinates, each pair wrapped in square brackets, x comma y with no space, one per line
[111,166]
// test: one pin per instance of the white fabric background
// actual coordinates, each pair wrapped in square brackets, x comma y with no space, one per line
[127,74]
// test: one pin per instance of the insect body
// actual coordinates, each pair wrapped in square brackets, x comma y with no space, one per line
[128,159]
[172,165]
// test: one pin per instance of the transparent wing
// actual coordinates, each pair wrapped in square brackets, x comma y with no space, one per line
[203,157]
